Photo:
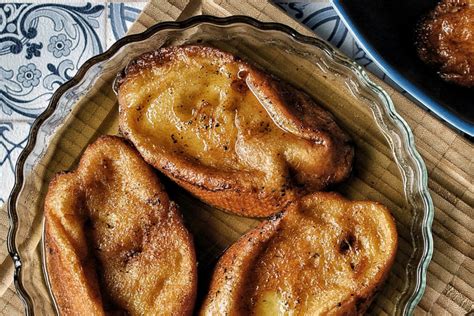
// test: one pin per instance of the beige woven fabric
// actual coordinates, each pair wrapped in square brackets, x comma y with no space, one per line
[448,157]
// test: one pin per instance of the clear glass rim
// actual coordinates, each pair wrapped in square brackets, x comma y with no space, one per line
[420,190]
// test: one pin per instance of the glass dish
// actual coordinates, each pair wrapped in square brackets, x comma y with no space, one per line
[387,167]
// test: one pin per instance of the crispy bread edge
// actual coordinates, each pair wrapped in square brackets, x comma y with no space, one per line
[214,184]
[58,272]
[238,257]
[243,252]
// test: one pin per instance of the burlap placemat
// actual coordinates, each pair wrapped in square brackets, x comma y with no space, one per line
[448,157]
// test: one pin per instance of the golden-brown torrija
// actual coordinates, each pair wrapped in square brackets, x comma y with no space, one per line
[229,133]
[445,40]
[114,241]
[325,256]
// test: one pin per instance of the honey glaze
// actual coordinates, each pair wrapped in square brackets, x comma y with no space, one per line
[325,256]
[322,256]
[445,40]
[198,109]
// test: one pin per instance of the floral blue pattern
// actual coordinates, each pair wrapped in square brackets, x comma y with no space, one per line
[13,137]
[28,75]
[33,50]
[7,85]
[42,45]
[67,31]
[60,45]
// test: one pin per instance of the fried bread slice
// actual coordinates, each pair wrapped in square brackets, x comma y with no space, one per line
[114,242]
[324,255]
[235,137]
[445,40]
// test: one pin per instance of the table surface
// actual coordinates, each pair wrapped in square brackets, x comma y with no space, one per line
[44,57]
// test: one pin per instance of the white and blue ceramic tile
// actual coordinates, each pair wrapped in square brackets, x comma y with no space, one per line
[42,45]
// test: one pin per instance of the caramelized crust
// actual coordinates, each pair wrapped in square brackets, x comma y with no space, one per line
[232,135]
[114,241]
[445,39]
[325,255]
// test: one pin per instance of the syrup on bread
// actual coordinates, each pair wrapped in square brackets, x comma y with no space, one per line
[234,136]
[324,255]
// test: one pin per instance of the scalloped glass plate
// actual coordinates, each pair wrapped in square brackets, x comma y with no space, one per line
[387,167]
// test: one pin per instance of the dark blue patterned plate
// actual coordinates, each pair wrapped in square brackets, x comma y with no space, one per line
[385,29]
